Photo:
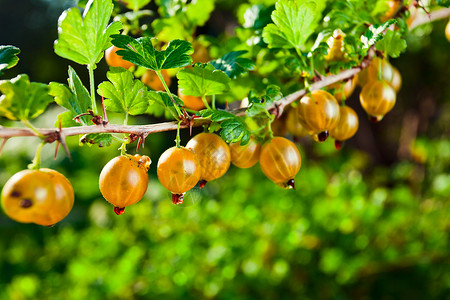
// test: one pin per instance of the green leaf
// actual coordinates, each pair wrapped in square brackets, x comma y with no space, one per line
[375,33]
[233,129]
[83,39]
[123,94]
[141,52]
[232,64]
[164,98]
[75,97]
[8,57]
[445,3]
[294,22]
[161,104]
[259,104]
[66,119]
[136,5]
[202,80]
[101,139]
[392,43]
[22,100]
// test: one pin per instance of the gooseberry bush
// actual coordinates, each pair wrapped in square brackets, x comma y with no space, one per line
[296,58]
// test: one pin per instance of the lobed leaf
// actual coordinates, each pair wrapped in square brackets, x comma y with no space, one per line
[233,129]
[392,43]
[124,94]
[141,52]
[202,80]
[75,98]
[294,22]
[23,100]
[83,39]
[8,57]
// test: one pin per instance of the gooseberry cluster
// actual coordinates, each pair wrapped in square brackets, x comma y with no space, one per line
[323,113]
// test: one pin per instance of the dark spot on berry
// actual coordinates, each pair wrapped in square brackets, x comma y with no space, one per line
[374,119]
[15,194]
[50,226]
[322,136]
[202,183]
[291,183]
[177,198]
[119,210]
[337,144]
[25,203]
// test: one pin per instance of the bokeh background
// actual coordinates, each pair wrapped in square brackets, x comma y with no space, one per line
[370,221]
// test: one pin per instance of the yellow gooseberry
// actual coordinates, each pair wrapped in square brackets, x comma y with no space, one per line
[347,126]
[178,171]
[212,153]
[245,156]
[123,180]
[319,113]
[377,98]
[42,196]
[280,161]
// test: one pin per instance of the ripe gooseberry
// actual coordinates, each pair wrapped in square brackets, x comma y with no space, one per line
[213,154]
[347,126]
[343,90]
[115,60]
[191,102]
[42,196]
[124,180]
[151,79]
[245,156]
[371,72]
[178,171]
[319,113]
[293,125]
[377,98]
[280,161]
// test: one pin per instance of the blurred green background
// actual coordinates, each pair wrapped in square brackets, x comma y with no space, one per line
[370,221]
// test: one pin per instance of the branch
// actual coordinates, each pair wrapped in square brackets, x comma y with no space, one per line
[6,132]
[432,16]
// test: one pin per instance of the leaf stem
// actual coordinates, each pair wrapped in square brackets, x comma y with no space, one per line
[34,129]
[92,85]
[206,102]
[213,101]
[168,92]
[36,162]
